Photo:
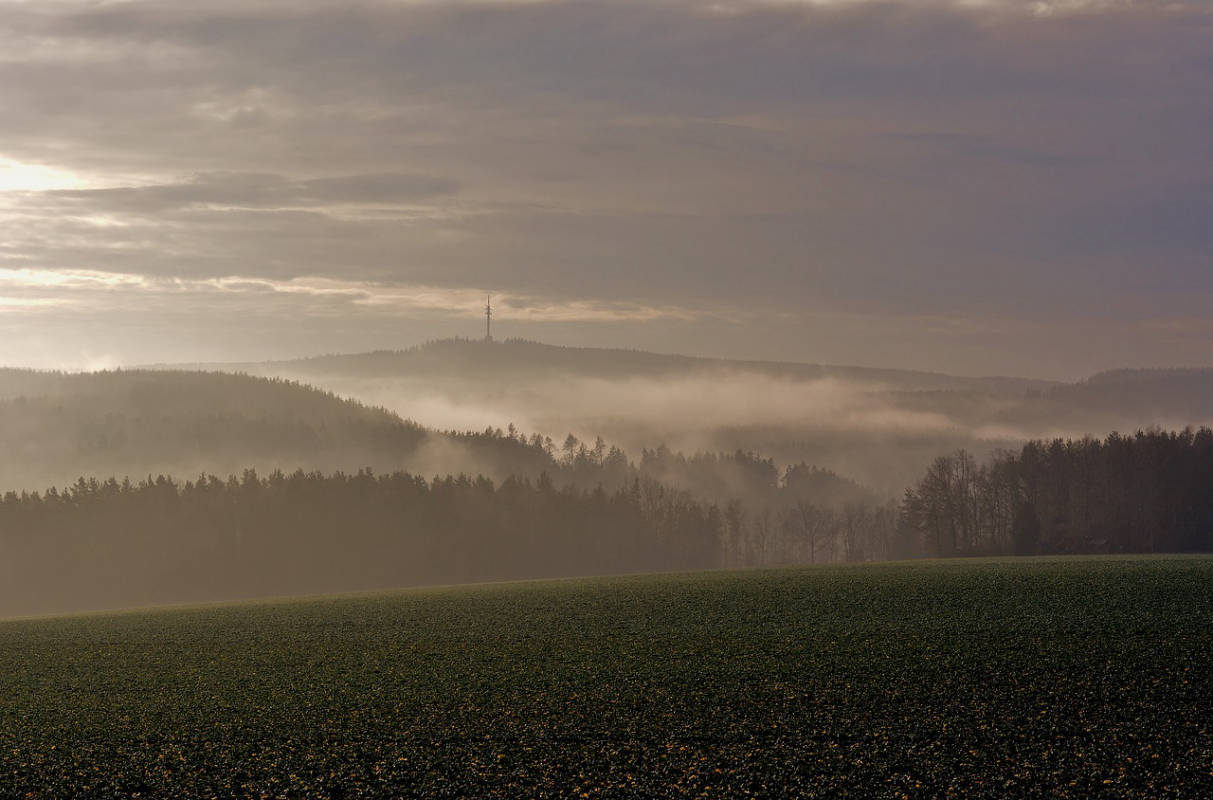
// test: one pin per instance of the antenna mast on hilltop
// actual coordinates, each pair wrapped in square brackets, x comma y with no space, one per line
[488,318]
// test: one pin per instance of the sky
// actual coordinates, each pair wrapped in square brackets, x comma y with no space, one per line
[997,187]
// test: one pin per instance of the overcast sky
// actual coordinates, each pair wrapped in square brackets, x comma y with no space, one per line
[986,187]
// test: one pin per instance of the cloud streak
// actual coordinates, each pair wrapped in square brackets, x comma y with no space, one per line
[92,289]
[257,190]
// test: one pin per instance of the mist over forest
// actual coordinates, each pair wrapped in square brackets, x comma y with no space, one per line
[141,423]
[880,427]
[466,461]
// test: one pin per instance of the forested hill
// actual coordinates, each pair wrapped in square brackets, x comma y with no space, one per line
[879,426]
[181,392]
[477,360]
[55,427]
[1131,397]
[1183,396]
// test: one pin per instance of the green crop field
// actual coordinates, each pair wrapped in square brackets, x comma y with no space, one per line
[1068,678]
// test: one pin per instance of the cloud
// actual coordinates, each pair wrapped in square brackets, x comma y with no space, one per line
[1042,161]
[259,190]
[25,289]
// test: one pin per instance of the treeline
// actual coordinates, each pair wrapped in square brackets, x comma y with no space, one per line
[741,475]
[590,510]
[107,543]
[1147,493]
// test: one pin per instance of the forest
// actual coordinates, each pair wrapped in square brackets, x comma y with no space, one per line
[118,542]
[589,510]
[122,543]
[326,493]
[1147,493]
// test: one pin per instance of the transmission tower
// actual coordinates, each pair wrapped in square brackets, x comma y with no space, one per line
[488,318]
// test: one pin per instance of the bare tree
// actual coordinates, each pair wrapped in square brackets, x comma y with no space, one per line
[856,519]
[764,536]
[814,521]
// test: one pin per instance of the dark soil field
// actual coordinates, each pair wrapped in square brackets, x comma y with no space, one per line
[1061,678]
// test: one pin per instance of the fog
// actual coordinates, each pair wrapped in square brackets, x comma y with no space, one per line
[879,427]
[681,407]
[824,421]
[449,462]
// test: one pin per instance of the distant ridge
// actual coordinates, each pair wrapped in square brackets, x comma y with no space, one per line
[450,357]
[1153,375]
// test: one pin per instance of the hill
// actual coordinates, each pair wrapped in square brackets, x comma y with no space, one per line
[55,427]
[879,426]
[1167,397]
[476,360]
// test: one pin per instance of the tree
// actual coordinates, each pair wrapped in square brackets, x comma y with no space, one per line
[1025,530]
[856,519]
[815,523]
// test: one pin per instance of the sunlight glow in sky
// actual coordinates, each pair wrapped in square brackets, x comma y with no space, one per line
[18,177]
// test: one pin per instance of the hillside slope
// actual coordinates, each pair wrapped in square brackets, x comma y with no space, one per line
[477,360]
[55,427]
[879,426]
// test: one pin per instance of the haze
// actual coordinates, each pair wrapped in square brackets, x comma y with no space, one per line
[628,398]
